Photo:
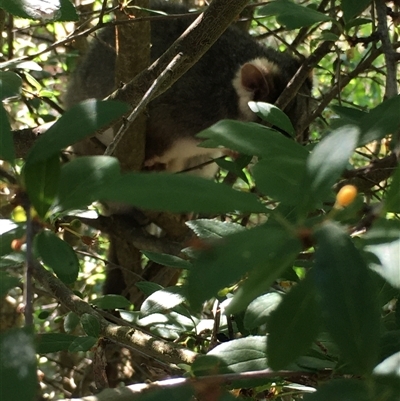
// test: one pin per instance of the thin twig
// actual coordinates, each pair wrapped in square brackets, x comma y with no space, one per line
[388,51]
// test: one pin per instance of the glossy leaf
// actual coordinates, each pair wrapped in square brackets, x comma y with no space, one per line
[243,354]
[229,260]
[90,325]
[75,124]
[281,178]
[7,282]
[162,301]
[392,200]
[293,325]
[178,193]
[240,355]
[82,181]
[213,229]
[273,115]
[57,255]
[349,390]
[381,121]
[168,260]
[10,85]
[382,231]
[148,287]
[389,261]
[349,114]
[390,366]
[352,8]
[41,181]
[259,310]
[284,249]
[61,10]
[111,301]
[7,152]
[53,342]
[71,321]
[252,139]
[292,15]
[8,232]
[329,158]
[18,377]
[83,343]
[348,297]
[175,393]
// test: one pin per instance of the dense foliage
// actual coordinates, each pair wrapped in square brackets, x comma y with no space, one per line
[287,284]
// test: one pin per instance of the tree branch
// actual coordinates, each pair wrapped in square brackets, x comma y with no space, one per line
[133,338]
[182,55]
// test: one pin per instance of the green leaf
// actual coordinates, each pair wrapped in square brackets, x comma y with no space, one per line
[10,85]
[58,255]
[349,114]
[259,310]
[174,393]
[273,115]
[211,229]
[18,377]
[53,342]
[13,260]
[40,10]
[352,8]
[293,325]
[231,258]
[348,297]
[292,15]
[61,10]
[392,200]
[111,301]
[75,124]
[241,355]
[389,258]
[356,22]
[9,231]
[7,152]
[382,231]
[381,121]
[162,301]
[41,181]
[71,321]
[82,181]
[233,167]
[147,287]
[168,260]
[281,177]
[68,11]
[252,139]
[82,343]
[390,366]
[179,193]
[349,390]
[91,325]
[7,282]
[387,387]
[329,158]
[284,249]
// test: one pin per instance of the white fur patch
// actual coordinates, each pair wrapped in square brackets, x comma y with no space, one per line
[185,154]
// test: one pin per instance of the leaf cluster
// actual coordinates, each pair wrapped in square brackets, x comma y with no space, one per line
[283,289]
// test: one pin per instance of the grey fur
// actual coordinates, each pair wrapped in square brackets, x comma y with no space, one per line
[201,97]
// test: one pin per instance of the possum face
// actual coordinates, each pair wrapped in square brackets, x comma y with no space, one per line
[261,80]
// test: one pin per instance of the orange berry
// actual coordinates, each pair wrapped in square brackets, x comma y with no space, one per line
[16,244]
[346,195]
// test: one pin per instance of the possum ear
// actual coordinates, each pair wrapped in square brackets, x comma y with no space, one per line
[255,80]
